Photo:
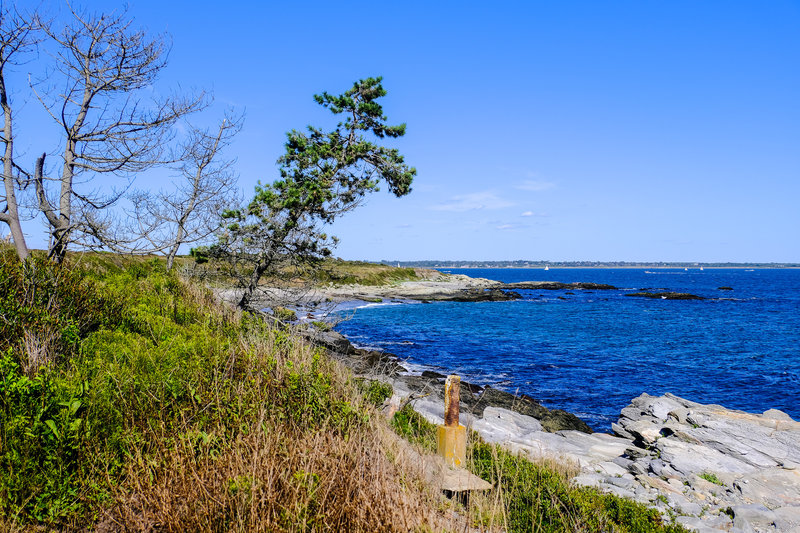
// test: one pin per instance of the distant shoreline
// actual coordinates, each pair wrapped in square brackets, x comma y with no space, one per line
[587,267]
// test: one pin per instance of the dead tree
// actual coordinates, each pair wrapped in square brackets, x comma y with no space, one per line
[94,94]
[204,185]
[17,36]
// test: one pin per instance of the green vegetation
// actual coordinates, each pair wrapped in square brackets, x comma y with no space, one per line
[328,271]
[712,478]
[283,314]
[376,392]
[340,272]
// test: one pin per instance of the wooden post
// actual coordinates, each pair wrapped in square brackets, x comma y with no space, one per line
[451,438]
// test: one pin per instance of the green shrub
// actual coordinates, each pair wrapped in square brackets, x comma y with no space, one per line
[376,392]
[47,308]
[283,314]
[711,477]
[322,326]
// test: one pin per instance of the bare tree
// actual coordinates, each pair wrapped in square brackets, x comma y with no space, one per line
[17,36]
[102,67]
[205,184]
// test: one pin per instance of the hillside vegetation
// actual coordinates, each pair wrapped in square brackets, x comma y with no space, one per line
[131,400]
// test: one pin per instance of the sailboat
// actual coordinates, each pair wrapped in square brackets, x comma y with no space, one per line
[701,268]
[547,267]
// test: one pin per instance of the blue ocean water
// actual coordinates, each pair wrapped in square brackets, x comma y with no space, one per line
[591,352]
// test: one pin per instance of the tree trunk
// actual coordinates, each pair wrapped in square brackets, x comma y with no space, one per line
[171,256]
[11,217]
[258,271]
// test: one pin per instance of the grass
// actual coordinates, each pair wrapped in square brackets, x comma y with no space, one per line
[330,271]
[340,272]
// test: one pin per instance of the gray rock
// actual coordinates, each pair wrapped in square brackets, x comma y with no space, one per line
[623,462]
[689,458]
[774,487]
[698,524]
[625,483]
[787,518]
[661,407]
[755,515]
[644,431]
[498,425]
[741,525]
[682,505]
[620,431]
[756,457]
[776,414]
[618,491]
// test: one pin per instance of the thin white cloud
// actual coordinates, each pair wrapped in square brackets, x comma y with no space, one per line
[532,214]
[506,226]
[472,202]
[536,185]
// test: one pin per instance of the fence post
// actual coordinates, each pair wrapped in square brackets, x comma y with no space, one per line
[451,438]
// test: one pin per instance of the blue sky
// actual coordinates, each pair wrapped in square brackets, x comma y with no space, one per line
[654,131]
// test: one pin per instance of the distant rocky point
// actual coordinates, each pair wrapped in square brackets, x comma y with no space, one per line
[666,295]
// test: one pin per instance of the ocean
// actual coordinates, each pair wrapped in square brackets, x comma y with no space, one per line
[591,352]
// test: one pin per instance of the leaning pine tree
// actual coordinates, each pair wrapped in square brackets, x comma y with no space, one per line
[322,176]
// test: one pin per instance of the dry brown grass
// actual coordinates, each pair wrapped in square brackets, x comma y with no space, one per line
[274,480]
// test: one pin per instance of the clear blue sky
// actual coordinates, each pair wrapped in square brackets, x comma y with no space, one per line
[641,130]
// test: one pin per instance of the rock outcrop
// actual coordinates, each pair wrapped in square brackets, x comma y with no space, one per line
[709,468]
[667,295]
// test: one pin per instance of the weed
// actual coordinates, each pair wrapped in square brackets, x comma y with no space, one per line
[711,477]
[414,428]
[377,392]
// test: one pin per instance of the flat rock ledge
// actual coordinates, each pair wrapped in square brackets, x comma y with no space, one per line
[711,469]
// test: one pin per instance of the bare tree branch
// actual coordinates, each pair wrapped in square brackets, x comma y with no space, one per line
[203,185]
[103,67]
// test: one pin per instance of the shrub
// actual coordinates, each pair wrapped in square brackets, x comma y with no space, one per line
[377,392]
[47,308]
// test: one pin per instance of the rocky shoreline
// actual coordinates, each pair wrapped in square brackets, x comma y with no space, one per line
[708,468]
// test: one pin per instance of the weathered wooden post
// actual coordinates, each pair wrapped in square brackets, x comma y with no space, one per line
[451,438]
